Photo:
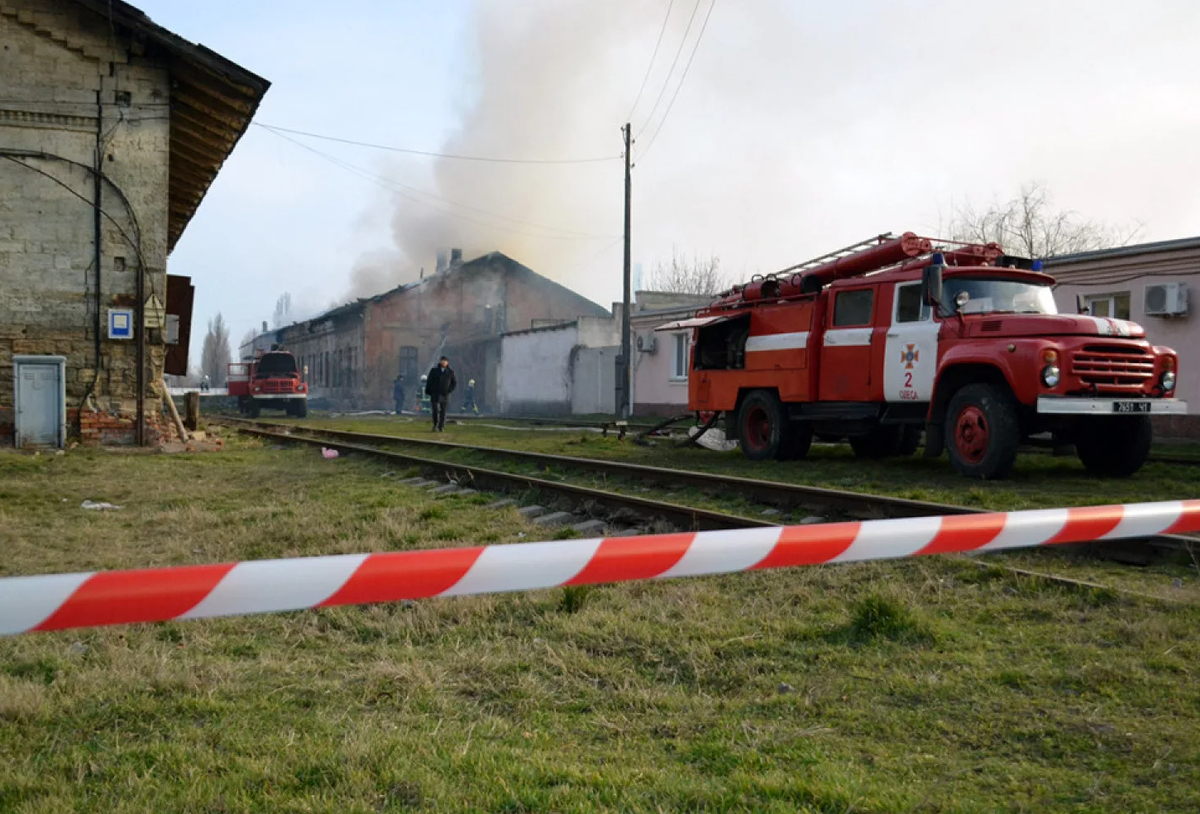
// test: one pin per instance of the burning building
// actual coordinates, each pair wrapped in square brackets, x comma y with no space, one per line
[353,353]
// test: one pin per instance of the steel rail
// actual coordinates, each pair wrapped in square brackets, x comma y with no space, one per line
[687,517]
[777,493]
[853,505]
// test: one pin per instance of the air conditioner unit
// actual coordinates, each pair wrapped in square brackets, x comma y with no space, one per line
[647,343]
[1166,299]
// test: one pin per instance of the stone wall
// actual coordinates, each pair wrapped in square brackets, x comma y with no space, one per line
[58,63]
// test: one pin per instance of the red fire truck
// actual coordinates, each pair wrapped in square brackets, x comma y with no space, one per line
[271,380]
[883,339]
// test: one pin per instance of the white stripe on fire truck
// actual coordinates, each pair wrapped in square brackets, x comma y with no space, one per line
[848,337]
[791,341]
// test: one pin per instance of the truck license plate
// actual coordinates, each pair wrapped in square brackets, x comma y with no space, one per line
[1131,406]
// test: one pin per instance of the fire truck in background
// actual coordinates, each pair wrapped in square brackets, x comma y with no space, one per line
[893,336]
[271,380]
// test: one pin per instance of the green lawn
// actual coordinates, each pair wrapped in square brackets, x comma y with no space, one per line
[919,686]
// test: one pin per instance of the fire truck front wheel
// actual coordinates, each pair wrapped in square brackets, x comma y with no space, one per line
[761,425]
[982,431]
[1114,447]
[253,409]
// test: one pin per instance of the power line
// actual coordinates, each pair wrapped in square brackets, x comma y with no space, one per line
[396,187]
[674,62]
[681,79]
[454,156]
[657,43]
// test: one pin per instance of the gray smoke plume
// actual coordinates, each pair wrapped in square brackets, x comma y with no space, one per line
[538,90]
[801,127]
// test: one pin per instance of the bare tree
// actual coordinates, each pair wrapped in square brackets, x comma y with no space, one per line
[1030,226]
[215,354]
[700,276]
[283,310]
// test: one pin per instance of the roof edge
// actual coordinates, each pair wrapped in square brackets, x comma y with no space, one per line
[1155,247]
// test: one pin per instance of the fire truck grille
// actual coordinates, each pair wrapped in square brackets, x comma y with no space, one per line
[276,385]
[1112,365]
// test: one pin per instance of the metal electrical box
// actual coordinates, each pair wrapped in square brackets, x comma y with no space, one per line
[40,401]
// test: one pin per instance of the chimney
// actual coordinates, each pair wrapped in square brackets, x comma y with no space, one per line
[441,261]
[264,330]
[455,257]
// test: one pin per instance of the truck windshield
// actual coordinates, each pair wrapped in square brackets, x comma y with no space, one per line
[276,364]
[983,295]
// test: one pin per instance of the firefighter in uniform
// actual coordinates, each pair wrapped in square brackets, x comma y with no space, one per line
[469,405]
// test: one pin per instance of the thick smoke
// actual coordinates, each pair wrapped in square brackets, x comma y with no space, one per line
[801,127]
[539,88]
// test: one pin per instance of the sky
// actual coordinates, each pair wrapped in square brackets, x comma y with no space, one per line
[768,131]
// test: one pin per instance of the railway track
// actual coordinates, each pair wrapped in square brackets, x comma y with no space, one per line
[813,500]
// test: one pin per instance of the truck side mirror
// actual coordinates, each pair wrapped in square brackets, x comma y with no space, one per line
[931,282]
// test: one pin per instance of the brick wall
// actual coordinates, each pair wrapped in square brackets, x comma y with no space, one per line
[465,307]
[57,59]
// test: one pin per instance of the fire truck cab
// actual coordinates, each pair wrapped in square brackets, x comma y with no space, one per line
[271,380]
[885,339]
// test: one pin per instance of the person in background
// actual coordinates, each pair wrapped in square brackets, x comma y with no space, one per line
[469,405]
[422,402]
[439,384]
[398,392]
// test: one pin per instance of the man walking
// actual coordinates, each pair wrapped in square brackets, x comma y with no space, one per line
[398,392]
[439,384]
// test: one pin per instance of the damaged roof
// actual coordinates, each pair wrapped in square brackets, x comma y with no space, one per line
[212,103]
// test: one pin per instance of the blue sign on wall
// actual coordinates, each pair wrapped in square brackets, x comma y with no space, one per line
[120,324]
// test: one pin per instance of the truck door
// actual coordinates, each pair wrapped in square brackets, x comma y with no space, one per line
[911,350]
[846,350]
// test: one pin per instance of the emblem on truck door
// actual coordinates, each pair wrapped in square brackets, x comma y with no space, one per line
[909,356]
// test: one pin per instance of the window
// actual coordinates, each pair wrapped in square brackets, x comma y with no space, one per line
[1115,306]
[408,363]
[327,370]
[679,356]
[909,306]
[853,308]
[992,295]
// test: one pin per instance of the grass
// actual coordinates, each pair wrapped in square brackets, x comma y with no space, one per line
[919,686]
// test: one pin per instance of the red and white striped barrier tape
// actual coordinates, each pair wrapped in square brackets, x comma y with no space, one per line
[59,601]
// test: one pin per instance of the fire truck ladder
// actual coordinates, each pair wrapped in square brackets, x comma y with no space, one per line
[869,243]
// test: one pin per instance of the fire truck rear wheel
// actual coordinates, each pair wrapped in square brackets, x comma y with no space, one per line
[797,441]
[982,431]
[1114,447]
[762,426]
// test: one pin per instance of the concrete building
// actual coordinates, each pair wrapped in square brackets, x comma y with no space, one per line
[111,131]
[570,368]
[354,352]
[1151,284]
[660,361]
[563,369]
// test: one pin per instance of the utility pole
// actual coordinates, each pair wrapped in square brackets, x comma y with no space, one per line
[625,368]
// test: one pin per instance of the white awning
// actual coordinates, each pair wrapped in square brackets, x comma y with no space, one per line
[697,322]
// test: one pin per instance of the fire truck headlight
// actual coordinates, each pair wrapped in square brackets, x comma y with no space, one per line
[1050,375]
[1168,381]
